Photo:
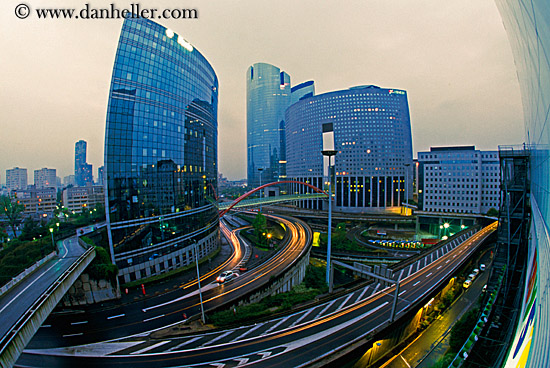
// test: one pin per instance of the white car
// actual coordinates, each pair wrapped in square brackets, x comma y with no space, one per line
[226,276]
[475,271]
[482,267]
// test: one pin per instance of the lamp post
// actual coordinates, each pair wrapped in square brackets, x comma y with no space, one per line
[53,241]
[329,151]
[195,248]
[260,170]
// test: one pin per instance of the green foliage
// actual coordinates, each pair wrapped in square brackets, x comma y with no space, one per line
[19,255]
[101,267]
[260,227]
[12,209]
[462,330]
[315,277]
[445,361]
[493,212]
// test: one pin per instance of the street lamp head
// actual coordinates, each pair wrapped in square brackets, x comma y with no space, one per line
[446,225]
[51,230]
[329,153]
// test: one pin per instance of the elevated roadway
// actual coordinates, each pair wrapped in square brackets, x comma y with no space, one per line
[24,307]
[292,341]
[168,309]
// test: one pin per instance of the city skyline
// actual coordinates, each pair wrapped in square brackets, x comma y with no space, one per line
[454,61]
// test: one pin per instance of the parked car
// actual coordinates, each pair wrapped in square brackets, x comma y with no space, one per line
[226,276]
[475,271]
[482,267]
[467,284]
[472,276]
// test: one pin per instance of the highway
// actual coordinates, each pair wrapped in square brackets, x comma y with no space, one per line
[83,327]
[15,303]
[297,345]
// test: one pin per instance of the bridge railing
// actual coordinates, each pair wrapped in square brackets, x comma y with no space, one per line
[23,274]
[15,340]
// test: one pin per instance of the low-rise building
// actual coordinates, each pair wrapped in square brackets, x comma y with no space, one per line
[38,203]
[80,198]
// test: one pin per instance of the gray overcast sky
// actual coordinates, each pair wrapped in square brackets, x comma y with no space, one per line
[452,57]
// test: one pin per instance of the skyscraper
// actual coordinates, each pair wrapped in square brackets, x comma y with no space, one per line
[160,152]
[16,179]
[82,170]
[372,133]
[45,178]
[267,96]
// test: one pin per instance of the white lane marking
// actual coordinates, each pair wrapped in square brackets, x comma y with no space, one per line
[150,347]
[264,354]
[439,267]
[408,365]
[454,256]
[28,286]
[210,342]
[242,361]
[345,301]
[150,319]
[428,275]
[76,334]
[362,294]
[185,343]
[448,261]
[248,331]
[46,326]
[79,323]
[196,292]
[217,365]
[401,293]
[324,309]
[416,283]
[117,316]
[302,317]
[276,325]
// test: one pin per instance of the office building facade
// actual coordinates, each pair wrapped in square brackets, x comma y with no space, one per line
[268,94]
[39,204]
[45,178]
[302,90]
[372,134]
[528,27]
[79,199]
[459,180]
[16,179]
[160,152]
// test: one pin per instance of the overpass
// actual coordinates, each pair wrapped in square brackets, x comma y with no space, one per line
[25,306]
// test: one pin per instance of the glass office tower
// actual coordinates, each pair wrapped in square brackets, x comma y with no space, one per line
[372,133]
[528,27]
[267,96]
[160,152]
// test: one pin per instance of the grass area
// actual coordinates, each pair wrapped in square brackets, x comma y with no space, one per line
[18,255]
[313,285]
[170,274]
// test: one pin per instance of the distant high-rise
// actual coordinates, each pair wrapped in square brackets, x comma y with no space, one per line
[160,152]
[302,90]
[267,96]
[101,175]
[45,178]
[372,133]
[16,179]
[82,170]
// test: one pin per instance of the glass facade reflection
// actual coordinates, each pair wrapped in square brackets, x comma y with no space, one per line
[528,27]
[372,133]
[160,152]
[267,96]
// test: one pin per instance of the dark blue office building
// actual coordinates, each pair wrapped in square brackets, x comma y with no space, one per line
[160,152]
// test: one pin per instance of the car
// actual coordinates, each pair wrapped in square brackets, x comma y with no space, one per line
[472,276]
[475,271]
[484,289]
[467,284]
[226,276]
[482,267]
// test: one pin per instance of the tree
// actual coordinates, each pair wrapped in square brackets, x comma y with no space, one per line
[493,212]
[260,226]
[12,210]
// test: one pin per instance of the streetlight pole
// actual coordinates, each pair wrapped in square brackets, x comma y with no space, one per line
[53,241]
[195,248]
[329,154]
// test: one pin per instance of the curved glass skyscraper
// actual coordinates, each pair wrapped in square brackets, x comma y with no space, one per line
[372,133]
[267,97]
[160,152]
[528,26]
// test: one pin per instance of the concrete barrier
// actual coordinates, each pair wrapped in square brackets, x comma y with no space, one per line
[24,274]
[13,343]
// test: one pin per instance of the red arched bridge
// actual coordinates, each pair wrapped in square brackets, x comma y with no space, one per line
[226,207]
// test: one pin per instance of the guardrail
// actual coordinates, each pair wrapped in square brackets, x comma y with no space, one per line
[15,340]
[14,281]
